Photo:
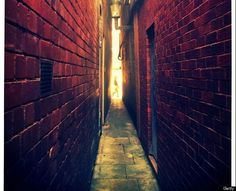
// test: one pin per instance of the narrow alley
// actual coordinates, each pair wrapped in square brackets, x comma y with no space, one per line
[121,163]
[119,95]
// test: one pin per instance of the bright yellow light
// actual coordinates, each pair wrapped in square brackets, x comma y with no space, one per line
[116,75]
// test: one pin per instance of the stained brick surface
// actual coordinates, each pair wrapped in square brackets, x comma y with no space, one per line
[50,141]
[193,71]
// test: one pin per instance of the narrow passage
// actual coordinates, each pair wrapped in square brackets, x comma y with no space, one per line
[121,164]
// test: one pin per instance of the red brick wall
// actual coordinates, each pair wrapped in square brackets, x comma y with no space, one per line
[193,56]
[50,141]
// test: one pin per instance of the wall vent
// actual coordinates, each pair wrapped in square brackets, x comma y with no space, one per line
[46,77]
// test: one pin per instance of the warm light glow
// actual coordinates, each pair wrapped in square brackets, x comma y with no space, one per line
[116,76]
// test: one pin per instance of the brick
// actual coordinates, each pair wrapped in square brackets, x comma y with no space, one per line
[224,33]
[217,23]
[223,8]
[211,61]
[45,125]
[32,67]
[201,41]
[227,19]
[67,70]
[12,94]
[190,26]
[22,14]
[211,38]
[9,125]
[215,49]
[197,3]
[12,152]
[56,118]
[207,96]
[227,46]
[224,87]
[11,6]
[10,38]
[32,20]
[225,117]
[38,110]
[47,31]
[188,45]
[211,14]
[45,49]
[40,25]
[21,40]
[190,64]
[20,63]
[218,73]
[47,105]
[30,137]
[220,100]
[212,85]
[9,66]
[30,91]
[29,114]
[18,120]
[31,46]
[34,4]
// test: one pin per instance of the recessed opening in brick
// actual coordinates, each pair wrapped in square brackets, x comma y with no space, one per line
[46,72]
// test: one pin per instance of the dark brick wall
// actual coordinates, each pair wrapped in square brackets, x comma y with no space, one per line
[129,77]
[193,71]
[50,141]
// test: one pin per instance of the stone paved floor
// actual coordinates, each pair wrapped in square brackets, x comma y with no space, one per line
[121,164]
